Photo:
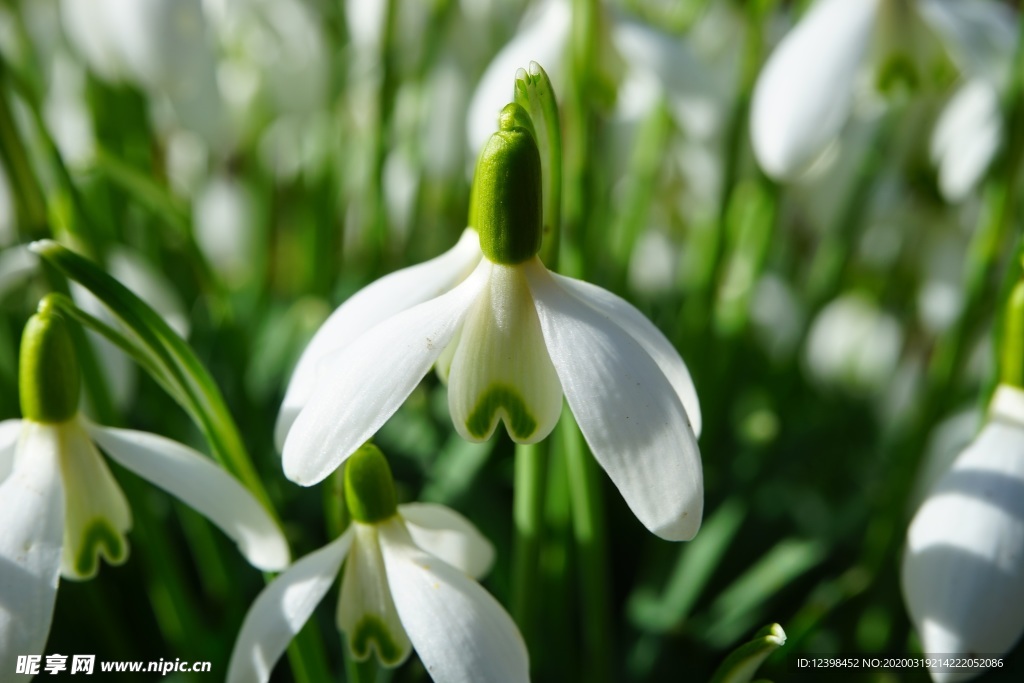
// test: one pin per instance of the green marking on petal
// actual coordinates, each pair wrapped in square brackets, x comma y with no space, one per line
[100,538]
[372,632]
[518,420]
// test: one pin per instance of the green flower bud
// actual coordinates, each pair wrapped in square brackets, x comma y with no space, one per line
[49,376]
[507,200]
[369,488]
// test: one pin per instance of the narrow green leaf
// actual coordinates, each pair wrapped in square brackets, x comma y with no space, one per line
[741,665]
[176,366]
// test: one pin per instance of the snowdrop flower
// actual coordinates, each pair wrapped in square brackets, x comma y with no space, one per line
[61,507]
[805,92]
[963,568]
[407,583]
[510,339]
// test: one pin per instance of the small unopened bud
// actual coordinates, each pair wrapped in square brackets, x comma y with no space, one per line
[369,488]
[49,379]
[507,199]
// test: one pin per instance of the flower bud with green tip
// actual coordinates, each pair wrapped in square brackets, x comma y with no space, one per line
[369,488]
[507,200]
[49,380]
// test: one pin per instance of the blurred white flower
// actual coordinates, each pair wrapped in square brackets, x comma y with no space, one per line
[852,343]
[963,566]
[407,582]
[163,46]
[805,93]
[225,227]
[967,137]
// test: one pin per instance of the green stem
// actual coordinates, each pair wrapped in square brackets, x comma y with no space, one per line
[527,513]
[588,522]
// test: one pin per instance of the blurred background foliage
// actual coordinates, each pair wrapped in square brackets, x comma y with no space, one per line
[246,165]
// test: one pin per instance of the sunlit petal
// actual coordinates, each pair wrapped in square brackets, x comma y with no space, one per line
[803,95]
[366,612]
[366,382]
[98,516]
[282,609]
[626,316]
[963,569]
[382,299]
[460,632]
[31,536]
[501,369]
[628,411]
[445,533]
[202,485]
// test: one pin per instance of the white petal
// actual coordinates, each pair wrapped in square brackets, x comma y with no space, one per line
[622,313]
[371,305]
[97,513]
[202,485]
[628,411]
[963,570]
[365,383]
[460,632]
[501,369]
[803,94]
[282,609]
[543,39]
[366,611]
[966,138]
[9,432]
[445,533]
[31,536]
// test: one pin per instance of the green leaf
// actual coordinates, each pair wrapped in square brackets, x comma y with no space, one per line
[162,353]
[741,665]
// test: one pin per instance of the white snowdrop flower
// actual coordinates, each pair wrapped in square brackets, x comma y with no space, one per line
[407,582]
[510,338]
[63,510]
[225,226]
[963,566]
[805,93]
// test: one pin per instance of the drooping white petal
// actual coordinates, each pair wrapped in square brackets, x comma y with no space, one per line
[365,383]
[628,411]
[202,485]
[966,138]
[9,432]
[981,35]
[460,632]
[371,305]
[282,609]
[543,39]
[963,569]
[622,313]
[501,369]
[31,536]
[366,611]
[97,513]
[803,95]
[445,533]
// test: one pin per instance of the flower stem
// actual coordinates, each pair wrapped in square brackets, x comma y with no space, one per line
[592,557]
[527,513]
